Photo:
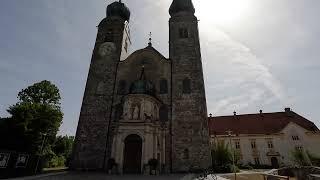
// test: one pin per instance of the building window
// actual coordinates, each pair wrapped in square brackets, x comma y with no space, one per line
[186,86]
[164,113]
[237,144]
[109,36]
[256,161]
[270,144]
[183,33]
[299,148]
[186,154]
[163,86]
[295,138]
[253,144]
[122,86]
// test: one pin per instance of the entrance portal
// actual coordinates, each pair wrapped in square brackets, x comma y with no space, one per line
[274,162]
[132,154]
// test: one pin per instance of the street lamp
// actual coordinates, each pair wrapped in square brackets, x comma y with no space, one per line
[233,154]
[41,151]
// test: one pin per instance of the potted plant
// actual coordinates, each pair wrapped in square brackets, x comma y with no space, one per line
[153,163]
[111,164]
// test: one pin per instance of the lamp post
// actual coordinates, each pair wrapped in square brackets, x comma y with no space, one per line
[41,150]
[233,154]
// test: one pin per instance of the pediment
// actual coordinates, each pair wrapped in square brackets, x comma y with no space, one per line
[145,54]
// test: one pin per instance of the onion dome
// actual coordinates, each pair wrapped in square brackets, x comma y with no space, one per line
[118,9]
[142,86]
[181,6]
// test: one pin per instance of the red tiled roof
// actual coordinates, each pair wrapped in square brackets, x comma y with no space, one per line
[265,123]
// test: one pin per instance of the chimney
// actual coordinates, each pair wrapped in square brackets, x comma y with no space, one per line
[210,115]
[261,112]
[287,110]
[235,113]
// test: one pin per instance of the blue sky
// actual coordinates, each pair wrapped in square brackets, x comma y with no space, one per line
[266,59]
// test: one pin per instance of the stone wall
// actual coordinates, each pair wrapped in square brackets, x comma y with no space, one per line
[90,143]
[191,148]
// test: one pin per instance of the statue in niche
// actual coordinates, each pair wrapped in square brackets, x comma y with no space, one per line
[135,114]
[127,110]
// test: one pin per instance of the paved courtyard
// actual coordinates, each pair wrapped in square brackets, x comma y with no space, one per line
[99,176]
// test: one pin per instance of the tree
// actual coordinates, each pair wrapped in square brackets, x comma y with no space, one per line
[43,92]
[315,159]
[63,148]
[300,158]
[221,155]
[222,159]
[36,113]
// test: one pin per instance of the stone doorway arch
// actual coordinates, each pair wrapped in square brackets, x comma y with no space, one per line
[274,162]
[132,154]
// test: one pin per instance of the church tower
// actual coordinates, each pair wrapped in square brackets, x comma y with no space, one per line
[190,136]
[92,138]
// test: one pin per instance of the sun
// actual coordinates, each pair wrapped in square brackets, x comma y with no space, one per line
[223,12]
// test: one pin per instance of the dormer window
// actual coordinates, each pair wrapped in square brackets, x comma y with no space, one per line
[295,138]
[183,33]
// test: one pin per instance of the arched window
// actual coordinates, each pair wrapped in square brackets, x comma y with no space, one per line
[164,113]
[122,87]
[163,86]
[186,86]
[183,33]
[186,154]
[109,36]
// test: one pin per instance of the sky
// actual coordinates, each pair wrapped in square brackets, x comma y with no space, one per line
[256,54]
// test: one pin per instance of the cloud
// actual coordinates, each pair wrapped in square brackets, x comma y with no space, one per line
[236,79]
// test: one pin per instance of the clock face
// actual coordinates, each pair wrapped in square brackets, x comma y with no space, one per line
[107,48]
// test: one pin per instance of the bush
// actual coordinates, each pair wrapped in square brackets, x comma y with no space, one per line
[226,168]
[300,158]
[315,160]
[57,161]
[245,166]
[221,155]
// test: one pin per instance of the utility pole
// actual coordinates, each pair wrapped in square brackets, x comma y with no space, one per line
[41,151]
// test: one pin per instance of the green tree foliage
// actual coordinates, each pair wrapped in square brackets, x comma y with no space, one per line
[300,158]
[36,113]
[63,149]
[43,92]
[315,159]
[221,155]
[222,159]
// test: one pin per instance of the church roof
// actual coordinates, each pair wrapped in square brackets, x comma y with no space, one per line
[263,123]
[156,51]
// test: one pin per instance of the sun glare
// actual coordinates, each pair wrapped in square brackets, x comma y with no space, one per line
[223,12]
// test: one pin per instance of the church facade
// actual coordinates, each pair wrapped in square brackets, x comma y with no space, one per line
[144,106]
